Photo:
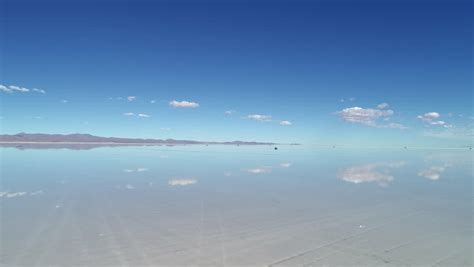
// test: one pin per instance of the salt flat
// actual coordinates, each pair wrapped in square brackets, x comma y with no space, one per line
[202,206]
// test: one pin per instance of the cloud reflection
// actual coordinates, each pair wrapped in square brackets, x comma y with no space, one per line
[285,164]
[136,170]
[369,173]
[432,173]
[13,194]
[8,194]
[260,170]
[267,169]
[182,182]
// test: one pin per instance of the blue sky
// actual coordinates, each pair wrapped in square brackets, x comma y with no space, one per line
[308,72]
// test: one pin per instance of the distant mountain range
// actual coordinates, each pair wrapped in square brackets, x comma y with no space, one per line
[87,139]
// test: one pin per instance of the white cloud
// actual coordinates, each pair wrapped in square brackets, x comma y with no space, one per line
[131,98]
[35,117]
[129,186]
[365,116]
[39,90]
[393,125]
[261,170]
[183,104]
[142,169]
[5,89]
[229,112]
[19,89]
[431,118]
[182,182]
[351,99]
[165,129]
[382,106]
[285,123]
[14,88]
[64,101]
[259,117]
[432,173]
[152,101]
[140,115]
[437,123]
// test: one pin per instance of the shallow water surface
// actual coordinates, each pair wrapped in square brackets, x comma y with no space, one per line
[218,205]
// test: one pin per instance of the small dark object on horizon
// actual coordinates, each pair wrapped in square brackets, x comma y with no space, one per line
[405,147]
[276,148]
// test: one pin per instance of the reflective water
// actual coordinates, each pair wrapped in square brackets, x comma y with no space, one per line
[220,205]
